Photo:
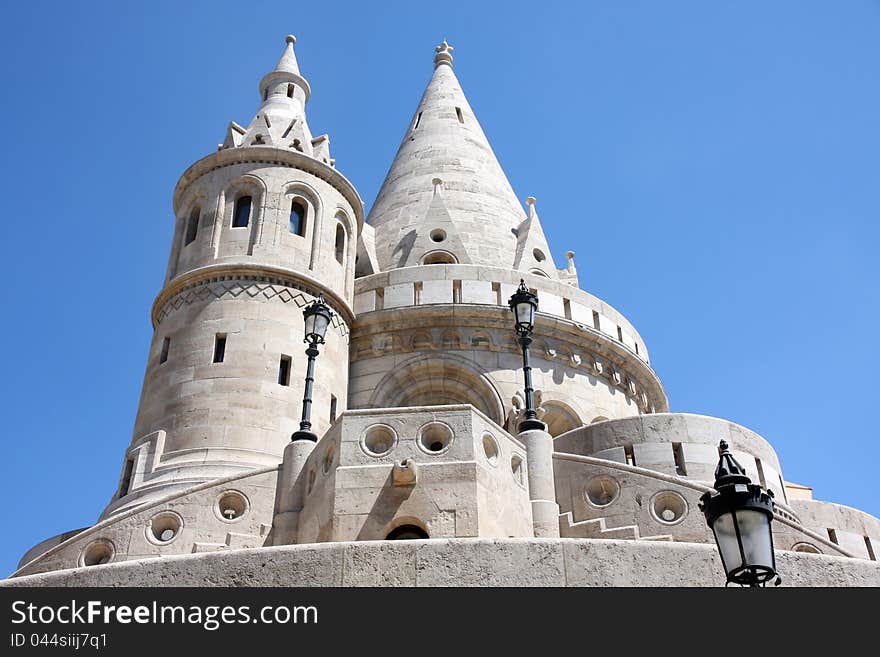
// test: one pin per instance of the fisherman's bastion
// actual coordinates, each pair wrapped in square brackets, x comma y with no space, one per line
[421,471]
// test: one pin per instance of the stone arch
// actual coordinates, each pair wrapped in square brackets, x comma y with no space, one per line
[438,380]
[314,211]
[245,185]
[559,417]
[197,199]
[439,257]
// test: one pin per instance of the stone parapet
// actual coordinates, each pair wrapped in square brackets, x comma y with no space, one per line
[458,562]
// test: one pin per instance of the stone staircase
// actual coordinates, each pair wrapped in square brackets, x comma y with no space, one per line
[596,528]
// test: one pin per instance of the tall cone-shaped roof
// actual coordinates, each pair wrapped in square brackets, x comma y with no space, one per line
[480,214]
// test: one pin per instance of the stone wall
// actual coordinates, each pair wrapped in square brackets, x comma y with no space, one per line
[458,562]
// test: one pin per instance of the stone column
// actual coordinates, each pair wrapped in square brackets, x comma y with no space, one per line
[290,494]
[542,488]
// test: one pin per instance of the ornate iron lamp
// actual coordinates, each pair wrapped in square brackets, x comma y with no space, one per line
[740,514]
[317,317]
[523,304]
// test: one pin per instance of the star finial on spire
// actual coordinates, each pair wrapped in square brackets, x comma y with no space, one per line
[444,54]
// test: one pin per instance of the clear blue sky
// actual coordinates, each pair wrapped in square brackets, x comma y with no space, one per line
[713,165]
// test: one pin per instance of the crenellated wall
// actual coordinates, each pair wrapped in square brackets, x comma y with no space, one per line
[493,286]
[680,444]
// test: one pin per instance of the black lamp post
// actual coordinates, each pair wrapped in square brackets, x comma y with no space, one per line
[317,316]
[740,513]
[524,304]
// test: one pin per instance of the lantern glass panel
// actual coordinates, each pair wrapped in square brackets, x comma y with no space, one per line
[525,314]
[728,545]
[754,528]
[319,324]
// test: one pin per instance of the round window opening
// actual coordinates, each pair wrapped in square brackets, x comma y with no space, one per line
[516,467]
[490,448]
[378,440]
[539,255]
[407,533]
[164,527]
[98,553]
[668,507]
[232,505]
[438,235]
[435,437]
[602,490]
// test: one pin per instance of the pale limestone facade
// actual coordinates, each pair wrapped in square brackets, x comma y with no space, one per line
[417,395]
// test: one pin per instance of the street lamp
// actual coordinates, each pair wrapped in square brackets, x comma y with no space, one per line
[524,304]
[317,316]
[740,513]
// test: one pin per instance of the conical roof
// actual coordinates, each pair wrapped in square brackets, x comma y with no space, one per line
[445,157]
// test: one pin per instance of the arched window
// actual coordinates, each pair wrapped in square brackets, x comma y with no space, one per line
[242,214]
[438,258]
[192,226]
[406,533]
[297,218]
[340,243]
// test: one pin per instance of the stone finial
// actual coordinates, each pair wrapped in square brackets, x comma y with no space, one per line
[569,255]
[444,54]
[530,201]
[290,39]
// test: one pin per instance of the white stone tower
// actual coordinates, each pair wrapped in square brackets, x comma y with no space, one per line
[423,360]
[263,226]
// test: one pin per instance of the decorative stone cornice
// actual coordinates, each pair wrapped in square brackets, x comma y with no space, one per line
[260,279]
[573,345]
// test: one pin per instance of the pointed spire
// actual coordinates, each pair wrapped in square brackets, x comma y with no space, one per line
[286,73]
[477,208]
[532,250]
[288,63]
[280,121]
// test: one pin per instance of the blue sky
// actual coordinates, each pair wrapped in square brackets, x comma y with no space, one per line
[713,165]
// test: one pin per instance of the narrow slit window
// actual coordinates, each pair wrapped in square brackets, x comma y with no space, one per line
[418,120]
[595,320]
[332,408]
[242,214]
[126,477]
[219,347]
[290,89]
[566,308]
[458,114]
[284,371]
[297,218]
[760,469]
[380,298]
[192,226]
[629,454]
[166,345]
[870,548]
[456,291]
[496,288]
[619,334]
[417,293]
[678,457]
[832,536]
[637,348]
[340,243]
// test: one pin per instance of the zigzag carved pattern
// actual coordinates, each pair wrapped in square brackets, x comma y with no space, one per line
[238,288]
